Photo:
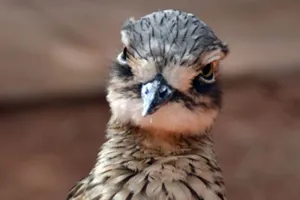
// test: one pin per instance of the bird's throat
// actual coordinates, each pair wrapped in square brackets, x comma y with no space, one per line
[158,142]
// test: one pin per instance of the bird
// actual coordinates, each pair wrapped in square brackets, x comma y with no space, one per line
[165,95]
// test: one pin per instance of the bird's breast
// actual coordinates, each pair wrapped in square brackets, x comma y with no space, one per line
[189,177]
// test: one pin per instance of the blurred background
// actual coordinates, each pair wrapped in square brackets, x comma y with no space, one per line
[54,63]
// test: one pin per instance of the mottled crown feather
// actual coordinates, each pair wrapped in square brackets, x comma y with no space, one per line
[169,34]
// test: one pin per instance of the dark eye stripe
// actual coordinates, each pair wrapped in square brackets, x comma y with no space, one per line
[212,90]
[121,71]
[186,100]
[202,87]
[132,91]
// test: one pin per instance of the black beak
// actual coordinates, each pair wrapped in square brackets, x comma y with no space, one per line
[155,93]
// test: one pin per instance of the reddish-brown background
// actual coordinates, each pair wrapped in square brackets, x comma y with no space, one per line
[54,60]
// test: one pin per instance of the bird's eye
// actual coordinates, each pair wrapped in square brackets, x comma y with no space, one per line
[122,57]
[207,73]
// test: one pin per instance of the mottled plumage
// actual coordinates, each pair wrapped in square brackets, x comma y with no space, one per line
[164,96]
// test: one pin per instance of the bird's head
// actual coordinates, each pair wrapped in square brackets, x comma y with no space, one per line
[166,77]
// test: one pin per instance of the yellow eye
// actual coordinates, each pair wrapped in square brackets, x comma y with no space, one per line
[207,70]
[207,73]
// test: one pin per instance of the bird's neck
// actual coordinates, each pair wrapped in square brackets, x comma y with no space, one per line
[159,143]
[134,158]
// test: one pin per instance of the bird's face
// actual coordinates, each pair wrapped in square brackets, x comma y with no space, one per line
[166,77]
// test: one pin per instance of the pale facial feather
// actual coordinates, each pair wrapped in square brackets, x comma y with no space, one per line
[171,118]
[142,69]
[178,77]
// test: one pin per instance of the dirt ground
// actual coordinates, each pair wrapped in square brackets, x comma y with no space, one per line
[46,148]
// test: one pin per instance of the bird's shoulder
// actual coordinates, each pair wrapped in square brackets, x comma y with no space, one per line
[78,191]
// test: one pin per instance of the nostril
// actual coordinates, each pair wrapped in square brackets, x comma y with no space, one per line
[163,92]
[145,90]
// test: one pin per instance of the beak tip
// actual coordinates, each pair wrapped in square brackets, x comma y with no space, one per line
[145,112]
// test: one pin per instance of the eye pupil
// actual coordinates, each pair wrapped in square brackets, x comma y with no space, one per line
[163,92]
[124,54]
[122,57]
[207,73]
[207,70]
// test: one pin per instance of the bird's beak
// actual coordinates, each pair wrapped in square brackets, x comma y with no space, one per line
[155,93]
